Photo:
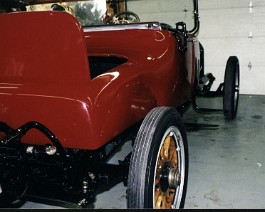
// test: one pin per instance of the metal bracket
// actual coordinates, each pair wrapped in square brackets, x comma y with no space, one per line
[204,110]
[16,134]
[181,36]
[204,86]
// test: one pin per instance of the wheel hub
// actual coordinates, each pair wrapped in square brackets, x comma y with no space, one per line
[170,177]
[174,178]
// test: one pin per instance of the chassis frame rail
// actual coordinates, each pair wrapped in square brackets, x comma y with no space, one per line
[70,175]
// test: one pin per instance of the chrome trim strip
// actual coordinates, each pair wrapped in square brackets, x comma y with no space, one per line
[145,25]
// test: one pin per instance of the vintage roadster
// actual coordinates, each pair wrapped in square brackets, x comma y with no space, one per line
[76,83]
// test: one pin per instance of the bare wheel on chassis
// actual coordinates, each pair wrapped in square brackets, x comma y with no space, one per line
[231,88]
[158,169]
[124,18]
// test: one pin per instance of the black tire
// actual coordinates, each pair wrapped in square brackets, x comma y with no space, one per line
[151,169]
[231,88]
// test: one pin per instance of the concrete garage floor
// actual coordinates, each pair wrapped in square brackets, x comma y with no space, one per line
[227,160]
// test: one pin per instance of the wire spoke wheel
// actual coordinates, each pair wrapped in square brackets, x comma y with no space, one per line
[159,163]
[126,17]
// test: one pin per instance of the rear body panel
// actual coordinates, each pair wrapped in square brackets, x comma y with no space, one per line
[45,77]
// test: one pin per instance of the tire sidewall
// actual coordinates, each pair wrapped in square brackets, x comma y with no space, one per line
[170,119]
[231,73]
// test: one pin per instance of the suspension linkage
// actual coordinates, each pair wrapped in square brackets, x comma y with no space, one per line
[17,134]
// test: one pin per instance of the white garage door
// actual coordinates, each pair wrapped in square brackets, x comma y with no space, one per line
[228,27]
[235,27]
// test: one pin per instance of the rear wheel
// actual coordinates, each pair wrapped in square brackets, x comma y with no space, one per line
[231,88]
[159,164]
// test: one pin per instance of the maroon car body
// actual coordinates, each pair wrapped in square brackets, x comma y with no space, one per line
[46,76]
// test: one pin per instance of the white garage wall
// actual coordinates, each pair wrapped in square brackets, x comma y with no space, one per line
[226,29]
[164,11]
